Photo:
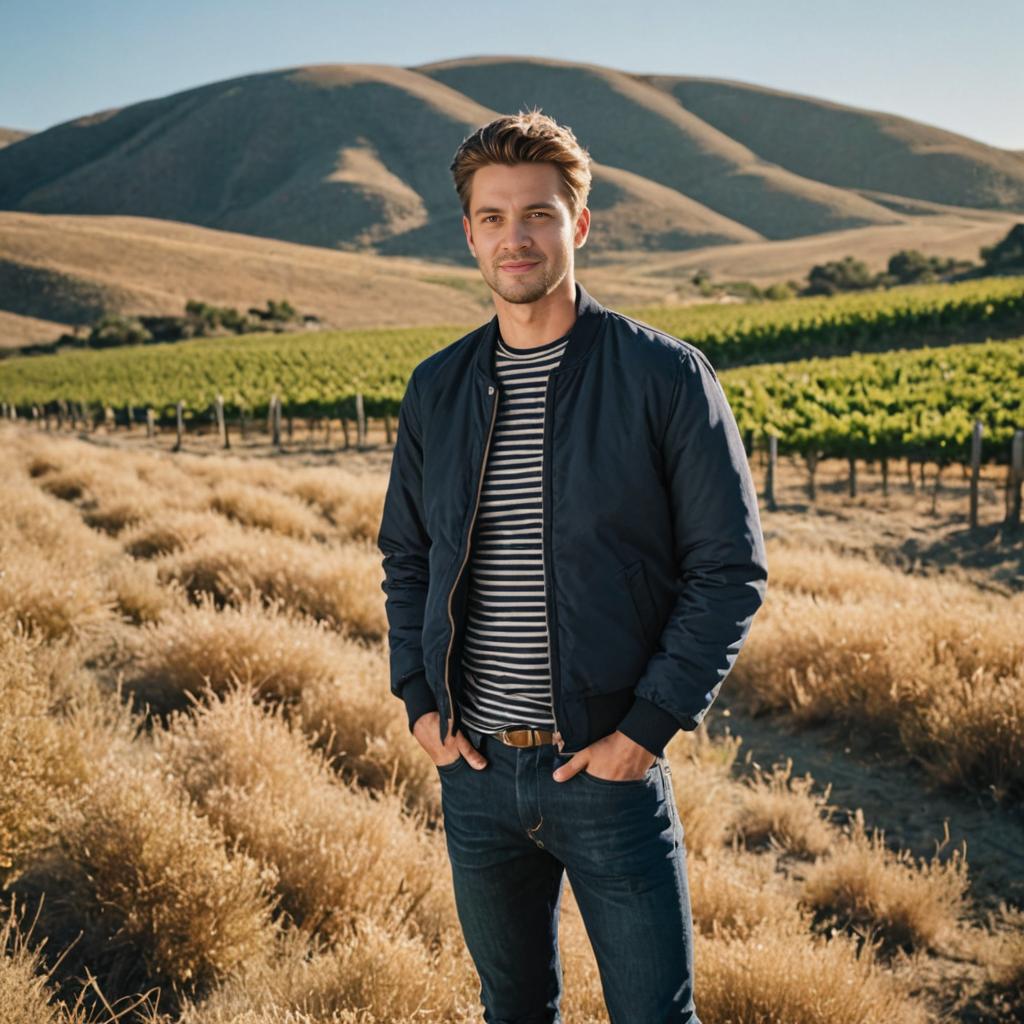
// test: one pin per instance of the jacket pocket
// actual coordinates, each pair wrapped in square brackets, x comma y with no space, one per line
[643,602]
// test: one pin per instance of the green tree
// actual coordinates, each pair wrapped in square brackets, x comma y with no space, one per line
[845,275]
[1006,256]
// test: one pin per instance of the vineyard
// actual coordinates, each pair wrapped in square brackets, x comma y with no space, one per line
[870,321]
[921,402]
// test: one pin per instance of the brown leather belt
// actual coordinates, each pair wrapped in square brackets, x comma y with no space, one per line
[524,737]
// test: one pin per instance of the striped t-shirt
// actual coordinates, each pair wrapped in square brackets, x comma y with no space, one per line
[506,671]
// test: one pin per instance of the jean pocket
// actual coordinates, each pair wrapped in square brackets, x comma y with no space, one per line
[451,766]
[648,776]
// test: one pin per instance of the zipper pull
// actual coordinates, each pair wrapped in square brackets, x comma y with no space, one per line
[490,389]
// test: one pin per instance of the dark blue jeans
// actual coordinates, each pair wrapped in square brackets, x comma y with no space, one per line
[513,832]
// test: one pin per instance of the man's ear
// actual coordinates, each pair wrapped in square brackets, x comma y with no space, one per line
[582,228]
[469,234]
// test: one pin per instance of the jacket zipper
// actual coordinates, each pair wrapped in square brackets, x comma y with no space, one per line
[548,591]
[491,390]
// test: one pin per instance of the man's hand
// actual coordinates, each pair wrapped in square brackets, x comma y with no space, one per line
[427,731]
[614,758]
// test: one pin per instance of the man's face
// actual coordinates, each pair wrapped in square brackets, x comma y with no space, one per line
[521,230]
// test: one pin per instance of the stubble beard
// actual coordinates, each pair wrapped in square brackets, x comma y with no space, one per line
[516,290]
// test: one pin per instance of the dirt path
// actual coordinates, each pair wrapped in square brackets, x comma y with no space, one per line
[894,794]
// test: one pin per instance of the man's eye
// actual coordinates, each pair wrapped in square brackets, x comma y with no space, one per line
[490,217]
[538,213]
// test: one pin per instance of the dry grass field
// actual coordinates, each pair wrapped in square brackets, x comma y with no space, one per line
[214,813]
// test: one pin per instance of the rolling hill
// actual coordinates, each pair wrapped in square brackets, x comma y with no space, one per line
[9,135]
[355,157]
[330,184]
[855,149]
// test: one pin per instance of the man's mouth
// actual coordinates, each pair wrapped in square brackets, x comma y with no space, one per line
[519,267]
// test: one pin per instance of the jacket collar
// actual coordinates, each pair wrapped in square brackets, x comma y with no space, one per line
[590,315]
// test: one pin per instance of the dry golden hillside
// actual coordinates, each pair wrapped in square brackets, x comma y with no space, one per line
[853,148]
[57,270]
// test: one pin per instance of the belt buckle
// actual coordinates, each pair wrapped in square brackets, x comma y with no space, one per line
[521,737]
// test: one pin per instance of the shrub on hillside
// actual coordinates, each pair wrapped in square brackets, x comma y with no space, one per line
[1006,256]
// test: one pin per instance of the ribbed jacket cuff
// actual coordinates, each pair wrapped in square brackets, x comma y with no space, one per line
[649,725]
[418,697]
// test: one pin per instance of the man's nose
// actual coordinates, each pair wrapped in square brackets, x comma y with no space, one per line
[517,236]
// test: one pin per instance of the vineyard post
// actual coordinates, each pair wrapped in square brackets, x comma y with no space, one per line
[344,428]
[179,425]
[360,421]
[222,427]
[387,427]
[35,414]
[975,471]
[149,421]
[1014,480]
[3,406]
[939,466]
[853,475]
[277,421]
[329,422]
[769,479]
[812,466]
[885,476]
[243,424]
[60,414]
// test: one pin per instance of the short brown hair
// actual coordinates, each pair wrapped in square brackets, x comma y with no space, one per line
[526,137]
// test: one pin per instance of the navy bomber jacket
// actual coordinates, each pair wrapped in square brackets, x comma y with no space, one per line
[654,556]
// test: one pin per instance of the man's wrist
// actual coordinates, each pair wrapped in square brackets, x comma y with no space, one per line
[649,725]
[418,697]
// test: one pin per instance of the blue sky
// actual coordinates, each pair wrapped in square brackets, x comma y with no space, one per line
[952,64]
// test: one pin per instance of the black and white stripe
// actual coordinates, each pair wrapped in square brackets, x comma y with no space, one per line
[506,672]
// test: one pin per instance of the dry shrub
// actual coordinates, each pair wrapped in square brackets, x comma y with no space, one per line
[352,504]
[338,852]
[781,974]
[1006,958]
[252,505]
[54,567]
[733,894]
[905,658]
[703,788]
[370,969]
[340,585]
[337,688]
[25,993]
[864,884]
[779,810]
[971,734]
[272,649]
[24,996]
[139,595]
[149,883]
[131,506]
[42,757]
[174,530]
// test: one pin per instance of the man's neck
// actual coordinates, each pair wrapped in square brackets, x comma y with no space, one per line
[529,324]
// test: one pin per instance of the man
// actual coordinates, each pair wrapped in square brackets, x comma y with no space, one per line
[573,557]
